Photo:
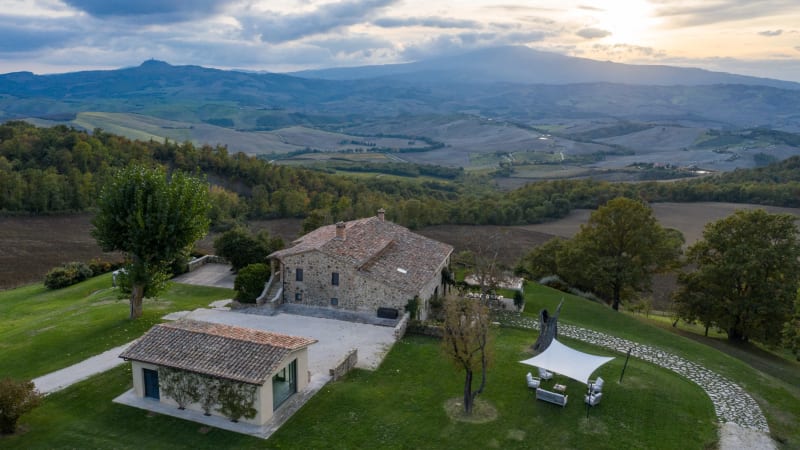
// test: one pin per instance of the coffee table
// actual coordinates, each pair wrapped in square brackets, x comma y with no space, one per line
[559,387]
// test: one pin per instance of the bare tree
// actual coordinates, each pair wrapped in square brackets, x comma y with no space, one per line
[467,342]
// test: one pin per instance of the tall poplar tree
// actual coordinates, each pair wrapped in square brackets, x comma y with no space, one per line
[153,218]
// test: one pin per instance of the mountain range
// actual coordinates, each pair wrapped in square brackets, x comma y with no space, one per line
[485,101]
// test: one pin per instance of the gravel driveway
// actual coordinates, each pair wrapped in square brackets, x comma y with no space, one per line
[335,337]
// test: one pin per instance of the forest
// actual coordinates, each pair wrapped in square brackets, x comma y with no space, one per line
[61,169]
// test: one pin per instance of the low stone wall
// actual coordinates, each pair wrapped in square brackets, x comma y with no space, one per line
[400,328]
[203,260]
[425,329]
[345,365]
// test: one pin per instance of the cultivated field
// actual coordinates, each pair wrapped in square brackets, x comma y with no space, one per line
[33,245]
[30,246]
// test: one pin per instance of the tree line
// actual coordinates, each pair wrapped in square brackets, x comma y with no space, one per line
[742,277]
[61,169]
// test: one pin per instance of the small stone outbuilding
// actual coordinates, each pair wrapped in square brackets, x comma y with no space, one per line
[271,366]
[366,265]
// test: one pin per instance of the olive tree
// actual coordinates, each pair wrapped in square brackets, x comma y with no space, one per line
[467,342]
[153,218]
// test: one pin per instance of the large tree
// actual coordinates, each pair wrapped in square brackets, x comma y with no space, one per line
[746,277]
[153,218]
[618,250]
[467,342]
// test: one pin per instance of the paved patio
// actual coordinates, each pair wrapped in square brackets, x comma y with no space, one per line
[211,274]
[335,337]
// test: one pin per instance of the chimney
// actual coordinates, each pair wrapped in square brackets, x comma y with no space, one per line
[382,214]
[340,234]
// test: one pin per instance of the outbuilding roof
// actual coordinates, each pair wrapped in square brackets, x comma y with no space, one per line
[385,251]
[223,351]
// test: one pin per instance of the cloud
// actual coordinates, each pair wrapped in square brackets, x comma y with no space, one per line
[430,22]
[770,33]
[18,35]
[453,44]
[276,28]
[704,12]
[590,8]
[593,33]
[626,51]
[152,11]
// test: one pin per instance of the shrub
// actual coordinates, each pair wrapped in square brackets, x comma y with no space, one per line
[16,399]
[99,266]
[519,300]
[179,385]
[250,282]
[236,400]
[67,275]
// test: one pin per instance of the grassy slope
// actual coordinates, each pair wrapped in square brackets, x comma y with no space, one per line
[43,330]
[401,404]
[778,398]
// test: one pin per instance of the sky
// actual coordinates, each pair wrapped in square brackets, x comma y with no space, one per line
[750,37]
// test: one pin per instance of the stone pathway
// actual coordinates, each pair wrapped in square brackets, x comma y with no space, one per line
[732,404]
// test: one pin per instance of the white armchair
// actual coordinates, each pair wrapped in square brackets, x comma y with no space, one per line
[593,399]
[596,386]
[533,382]
[544,374]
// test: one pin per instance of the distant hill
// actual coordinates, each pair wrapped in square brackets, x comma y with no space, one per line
[513,86]
[518,64]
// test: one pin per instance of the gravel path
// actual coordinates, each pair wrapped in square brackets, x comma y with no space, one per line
[740,416]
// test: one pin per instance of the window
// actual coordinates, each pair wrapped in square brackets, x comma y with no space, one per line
[298,296]
[298,275]
[335,278]
[334,301]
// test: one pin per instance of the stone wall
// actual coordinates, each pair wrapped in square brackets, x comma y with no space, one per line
[402,325]
[203,260]
[425,329]
[355,292]
[345,365]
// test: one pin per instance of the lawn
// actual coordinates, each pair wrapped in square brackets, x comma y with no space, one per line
[401,405]
[45,330]
[779,397]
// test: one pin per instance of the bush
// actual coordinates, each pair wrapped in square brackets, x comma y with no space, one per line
[16,399]
[519,300]
[250,282]
[236,400]
[67,275]
[241,248]
[99,266]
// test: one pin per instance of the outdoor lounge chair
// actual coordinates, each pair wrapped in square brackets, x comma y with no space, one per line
[596,386]
[593,399]
[544,374]
[533,382]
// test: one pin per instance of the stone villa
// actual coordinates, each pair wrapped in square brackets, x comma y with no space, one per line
[362,265]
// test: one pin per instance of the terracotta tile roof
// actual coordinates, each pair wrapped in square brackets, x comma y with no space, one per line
[224,351]
[379,249]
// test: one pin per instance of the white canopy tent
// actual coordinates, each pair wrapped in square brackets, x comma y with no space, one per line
[569,362]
